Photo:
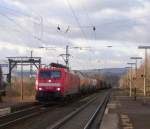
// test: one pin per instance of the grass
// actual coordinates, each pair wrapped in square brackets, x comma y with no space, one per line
[28,87]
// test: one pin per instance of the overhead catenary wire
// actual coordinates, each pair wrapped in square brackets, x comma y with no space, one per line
[17,24]
[116,20]
[17,13]
[76,19]
[94,27]
[21,28]
[35,19]
[70,27]
[13,10]
[26,14]
[105,23]
[90,21]
[11,19]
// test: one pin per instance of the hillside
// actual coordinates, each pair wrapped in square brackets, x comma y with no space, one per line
[106,72]
[110,75]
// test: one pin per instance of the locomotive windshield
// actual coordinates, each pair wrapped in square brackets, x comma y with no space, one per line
[49,74]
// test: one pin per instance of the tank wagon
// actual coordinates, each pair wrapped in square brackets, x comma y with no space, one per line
[87,84]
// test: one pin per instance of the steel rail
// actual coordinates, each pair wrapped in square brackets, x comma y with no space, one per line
[11,118]
[99,108]
[18,119]
[62,121]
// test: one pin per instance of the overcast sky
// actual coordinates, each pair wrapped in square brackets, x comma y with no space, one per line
[26,25]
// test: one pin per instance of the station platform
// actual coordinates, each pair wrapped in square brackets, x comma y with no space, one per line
[123,112]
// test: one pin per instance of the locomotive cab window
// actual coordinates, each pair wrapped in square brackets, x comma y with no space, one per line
[49,74]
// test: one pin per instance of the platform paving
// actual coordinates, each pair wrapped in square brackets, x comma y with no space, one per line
[123,112]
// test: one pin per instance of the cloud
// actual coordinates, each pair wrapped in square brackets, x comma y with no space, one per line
[123,24]
[119,5]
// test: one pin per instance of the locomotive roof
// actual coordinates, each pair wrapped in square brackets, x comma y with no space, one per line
[54,68]
[51,68]
[56,65]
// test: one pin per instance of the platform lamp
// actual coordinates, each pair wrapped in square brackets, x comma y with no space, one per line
[131,75]
[145,68]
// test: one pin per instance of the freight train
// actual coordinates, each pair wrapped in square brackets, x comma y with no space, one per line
[58,82]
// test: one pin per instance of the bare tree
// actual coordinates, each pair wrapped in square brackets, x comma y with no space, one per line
[1,78]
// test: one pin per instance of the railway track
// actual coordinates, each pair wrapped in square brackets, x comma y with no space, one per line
[28,112]
[94,120]
[11,118]
[18,117]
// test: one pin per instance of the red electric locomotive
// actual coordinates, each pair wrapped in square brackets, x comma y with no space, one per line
[56,82]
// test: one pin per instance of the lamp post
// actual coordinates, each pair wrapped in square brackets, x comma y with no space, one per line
[136,63]
[128,76]
[145,68]
[131,75]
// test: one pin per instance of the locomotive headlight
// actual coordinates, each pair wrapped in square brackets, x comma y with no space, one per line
[49,80]
[36,83]
[58,89]
[40,89]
